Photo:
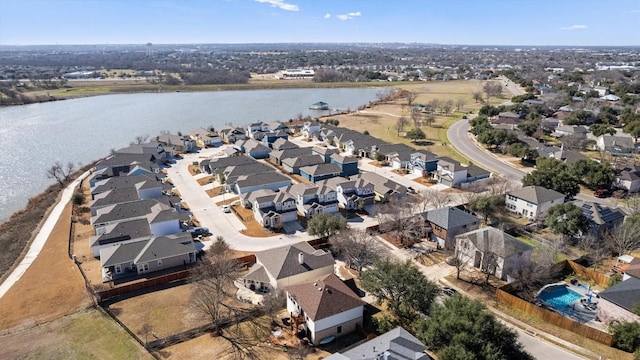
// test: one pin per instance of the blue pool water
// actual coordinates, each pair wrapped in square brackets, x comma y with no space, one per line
[558,297]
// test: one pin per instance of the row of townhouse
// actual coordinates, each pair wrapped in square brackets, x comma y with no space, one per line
[137,221]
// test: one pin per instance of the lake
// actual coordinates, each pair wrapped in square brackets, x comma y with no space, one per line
[33,137]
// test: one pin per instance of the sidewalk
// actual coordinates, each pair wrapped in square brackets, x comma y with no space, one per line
[42,236]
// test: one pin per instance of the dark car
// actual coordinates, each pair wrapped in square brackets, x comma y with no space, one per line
[449,291]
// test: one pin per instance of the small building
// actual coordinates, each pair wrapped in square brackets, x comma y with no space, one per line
[328,307]
[602,218]
[309,129]
[422,163]
[532,201]
[325,152]
[270,180]
[628,178]
[384,188]
[615,144]
[293,165]
[450,172]
[282,144]
[352,194]
[492,251]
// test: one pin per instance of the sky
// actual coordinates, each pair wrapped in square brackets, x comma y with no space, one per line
[470,22]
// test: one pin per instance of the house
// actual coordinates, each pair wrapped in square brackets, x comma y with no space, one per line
[325,152]
[475,173]
[124,165]
[231,135]
[313,199]
[617,303]
[351,194]
[282,144]
[320,172]
[384,188]
[450,172]
[327,307]
[147,185]
[181,144]
[128,211]
[145,256]
[277,157]
[270,137]
[394,344]
[630,267]
[602,218]
[272,209]
[231,174]
[112,197]
[293,165]
[218,165]
[577,131]
[309,129]
[447,222]
[628,178]
[422,162]
[205,138]
[492,251]
[615,144]
[532,201]
[287,265]
[257,130]
[252,148]
[348,164]
[398,155]
[120,232]
[151,148]
[270,180]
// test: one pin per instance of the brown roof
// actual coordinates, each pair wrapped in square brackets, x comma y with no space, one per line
[324,297]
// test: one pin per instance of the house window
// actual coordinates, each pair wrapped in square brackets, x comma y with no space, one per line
[118,269]
[339,330]
[145,267]
[159,263]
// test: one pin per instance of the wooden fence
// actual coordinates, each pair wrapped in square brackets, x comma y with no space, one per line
[554,318]
[125,289]
[593,275]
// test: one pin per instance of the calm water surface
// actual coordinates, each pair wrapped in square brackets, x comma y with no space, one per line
[33,137]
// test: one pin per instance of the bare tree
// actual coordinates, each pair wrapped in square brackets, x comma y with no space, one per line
[595,249]
[497,185]
[141,139]
[477,96]
[398,217]
[459,260]
[434,199]
[416,116]
[435,104]
[633,204]
[625,238]
[447,106]
[358,246]
[410,97]
[529,276]
[384,95]
[60,173]
[492,89]
[400,124]
[460,103]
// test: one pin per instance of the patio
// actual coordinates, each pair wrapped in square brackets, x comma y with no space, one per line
[582,309]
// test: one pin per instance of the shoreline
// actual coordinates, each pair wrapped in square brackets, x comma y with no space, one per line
[97,89]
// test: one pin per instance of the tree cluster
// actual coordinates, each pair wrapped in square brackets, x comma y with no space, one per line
[557,175]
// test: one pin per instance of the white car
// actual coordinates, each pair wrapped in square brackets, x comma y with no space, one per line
[225,208]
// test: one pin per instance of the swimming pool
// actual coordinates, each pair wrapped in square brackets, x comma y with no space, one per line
[558,297]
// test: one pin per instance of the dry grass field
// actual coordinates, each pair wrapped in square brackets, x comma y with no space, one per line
[380,120]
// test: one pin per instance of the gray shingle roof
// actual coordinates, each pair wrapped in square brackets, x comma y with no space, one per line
[258,273]
[121,253]
[449,217]
[115,197]
[625,294]
[490,239]
[123,231]
[321,169]
[263,179]
[304,160]
[164,247]
[282,262]
[397,344]
[536,194]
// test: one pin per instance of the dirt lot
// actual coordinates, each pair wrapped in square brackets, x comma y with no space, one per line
[51,288]
[166,311]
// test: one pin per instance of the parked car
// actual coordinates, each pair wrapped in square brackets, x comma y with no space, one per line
[601,193]
[199,231]
[411,190]
[225,208]
[449,291]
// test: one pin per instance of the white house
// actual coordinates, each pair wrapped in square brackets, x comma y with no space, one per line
[615,143]
[287,265]
[310,128]
[324,307]
[532,201]
[272,209]
[450,172]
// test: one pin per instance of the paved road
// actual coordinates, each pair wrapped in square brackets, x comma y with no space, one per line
[511,86]
[460,138]
[541,349]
